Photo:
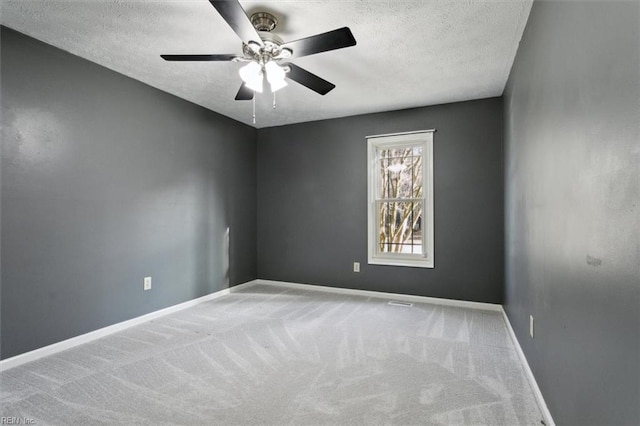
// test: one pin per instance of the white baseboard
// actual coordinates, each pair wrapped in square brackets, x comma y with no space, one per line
[381,295]
[536,390]
[54,348]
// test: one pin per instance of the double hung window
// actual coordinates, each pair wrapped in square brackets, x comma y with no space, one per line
[401,199]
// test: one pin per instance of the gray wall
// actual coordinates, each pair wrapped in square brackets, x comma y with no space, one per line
[573,207]
[104,181]
[312,202]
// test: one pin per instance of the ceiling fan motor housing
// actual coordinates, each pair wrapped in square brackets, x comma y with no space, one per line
[264,23]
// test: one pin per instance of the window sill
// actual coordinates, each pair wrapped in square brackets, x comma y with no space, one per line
[411,263]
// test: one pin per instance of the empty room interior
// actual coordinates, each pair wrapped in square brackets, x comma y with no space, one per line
[320,212]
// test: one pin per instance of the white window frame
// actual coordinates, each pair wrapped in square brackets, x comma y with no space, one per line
[424,138]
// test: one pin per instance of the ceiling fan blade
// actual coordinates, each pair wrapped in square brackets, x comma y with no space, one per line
[331,40]
[244,94]
[198,57]
[232,12]
[310,80]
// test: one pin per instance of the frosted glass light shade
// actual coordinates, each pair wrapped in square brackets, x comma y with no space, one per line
[252,76]
[275,76]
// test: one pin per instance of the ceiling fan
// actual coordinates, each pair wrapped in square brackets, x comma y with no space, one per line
[265,52]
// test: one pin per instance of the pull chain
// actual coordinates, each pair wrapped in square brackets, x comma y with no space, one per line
[274,100]
[254,107]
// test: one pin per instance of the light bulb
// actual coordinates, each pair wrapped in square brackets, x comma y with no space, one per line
[275,76]
[252,76]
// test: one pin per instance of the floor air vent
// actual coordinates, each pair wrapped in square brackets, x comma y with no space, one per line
[403,304]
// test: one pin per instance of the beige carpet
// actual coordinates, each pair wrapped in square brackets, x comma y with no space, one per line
[270,355]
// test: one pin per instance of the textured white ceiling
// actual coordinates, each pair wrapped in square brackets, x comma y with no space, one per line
[409,53]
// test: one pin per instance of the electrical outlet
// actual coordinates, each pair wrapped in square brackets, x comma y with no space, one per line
[531,325]
[146,283]
[356,266]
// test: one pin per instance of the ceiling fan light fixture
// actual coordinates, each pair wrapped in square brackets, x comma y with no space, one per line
[252,76]
[262,50]
[275,76]
[277,85]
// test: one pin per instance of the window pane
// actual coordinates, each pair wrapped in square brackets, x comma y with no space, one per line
[399,225]
[400,173]
[406,182]
[416,228]
[383,185]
